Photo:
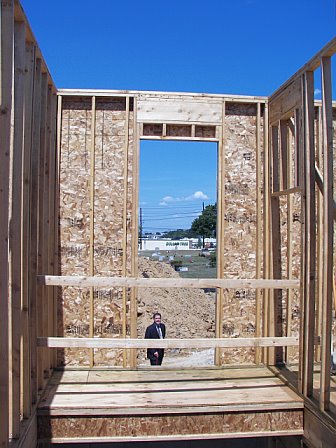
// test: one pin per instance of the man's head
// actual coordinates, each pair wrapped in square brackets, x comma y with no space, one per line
[157,318]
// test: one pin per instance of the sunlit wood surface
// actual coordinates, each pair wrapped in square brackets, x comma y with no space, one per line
[169,404]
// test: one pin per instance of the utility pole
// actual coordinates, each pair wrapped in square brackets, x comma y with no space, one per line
[203,229]
[140,229]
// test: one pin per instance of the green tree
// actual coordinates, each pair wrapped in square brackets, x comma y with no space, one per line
[178,234]
[205,224]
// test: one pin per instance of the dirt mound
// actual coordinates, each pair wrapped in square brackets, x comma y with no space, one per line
[187,313]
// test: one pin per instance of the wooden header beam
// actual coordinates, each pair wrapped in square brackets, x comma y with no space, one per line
[122,93]
[129,282]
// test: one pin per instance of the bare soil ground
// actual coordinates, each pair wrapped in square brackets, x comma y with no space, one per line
[186,312]
[190,313]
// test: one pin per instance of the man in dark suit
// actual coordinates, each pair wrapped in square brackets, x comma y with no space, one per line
[155,331]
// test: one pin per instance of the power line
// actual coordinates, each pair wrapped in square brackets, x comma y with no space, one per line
[173,215]
[162,229]
[168,219]
[151,215]
[179,204]
[170,206]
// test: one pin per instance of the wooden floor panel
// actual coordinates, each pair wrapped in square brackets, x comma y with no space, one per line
[174,403]
[161,390]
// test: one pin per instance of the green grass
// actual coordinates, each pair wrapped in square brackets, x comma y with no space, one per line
[198,267]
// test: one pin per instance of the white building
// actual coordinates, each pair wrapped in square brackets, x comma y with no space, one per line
[166,244]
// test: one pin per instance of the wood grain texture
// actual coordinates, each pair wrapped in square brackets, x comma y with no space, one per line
[100,282]
[201,425]
[282,106]
[328,231]
[309,233]
[16,223]
[6,82]
[183,404]
[166,343]
[27,152]
[317,431]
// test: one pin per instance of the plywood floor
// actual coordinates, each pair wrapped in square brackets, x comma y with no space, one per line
[160,404]
[89,392]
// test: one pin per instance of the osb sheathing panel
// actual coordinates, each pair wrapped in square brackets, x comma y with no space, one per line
[178,130]
[171,424]
[110,147]
[73,309]
[294,310]
[240,221]
[110,144]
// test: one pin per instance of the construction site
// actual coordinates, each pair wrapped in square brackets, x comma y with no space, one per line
[249,353]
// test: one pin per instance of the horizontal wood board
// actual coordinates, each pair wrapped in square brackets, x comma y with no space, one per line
[138,404]
[158,391]
[183,110]
[171,427]
[167,343]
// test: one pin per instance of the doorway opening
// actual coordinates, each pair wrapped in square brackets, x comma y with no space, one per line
[177,238]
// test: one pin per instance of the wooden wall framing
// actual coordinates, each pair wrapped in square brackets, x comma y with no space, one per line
[291,143]
[116,153]
[311,125]
[6,29]
[28,188]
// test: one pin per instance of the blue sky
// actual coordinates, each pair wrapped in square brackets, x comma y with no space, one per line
[217,46]
[183,178]
[247,47]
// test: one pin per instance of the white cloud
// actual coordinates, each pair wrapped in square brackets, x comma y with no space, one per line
[193,197]
[197,195]
[167,200]
[317,92]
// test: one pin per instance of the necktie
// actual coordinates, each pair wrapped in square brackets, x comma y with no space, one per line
[158,328]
